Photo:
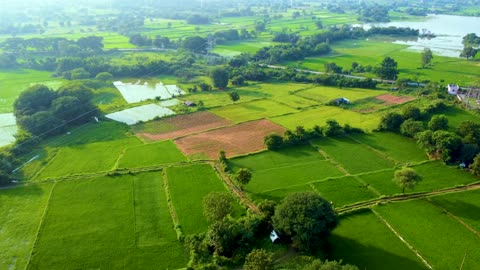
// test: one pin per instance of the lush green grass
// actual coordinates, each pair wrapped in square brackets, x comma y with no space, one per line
[109,99]
[319,116]
[89,158]
[440,239]
[252,110]
[280,193]
[353,156]
[383,182]
[21,210]
[363,240]
[343,191]
[456,116]
[324,94]
[90,224]
[188,185]
[151,154]
[464,205]
[14,81]
[400,148]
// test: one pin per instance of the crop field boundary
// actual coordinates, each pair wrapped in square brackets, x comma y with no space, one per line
[171,207]
[378,152]
[425,262]
[40,225]
[39,171]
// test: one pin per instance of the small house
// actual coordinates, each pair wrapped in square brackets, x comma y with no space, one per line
[453,89]
[342,100]
[190,103]
[274,236]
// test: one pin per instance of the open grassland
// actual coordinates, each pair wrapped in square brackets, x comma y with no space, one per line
[363,240]
[324,94]
[90,224]
[343,191]
[21,211]
[252,110]
[180,125]
[187,186]
[14,81]
[159,153]
[382,181]
[440,239]
[352,156]
[235,140]
[463,205]
[87,158]
[319,116]
[280,193]
[395,146]
[456,116]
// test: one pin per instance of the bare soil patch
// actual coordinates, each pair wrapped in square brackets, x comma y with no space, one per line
[235,140]
[391,99]
[182,125]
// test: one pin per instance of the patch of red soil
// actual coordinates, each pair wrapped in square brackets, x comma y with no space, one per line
[391,99]
[188,124]
[235,140]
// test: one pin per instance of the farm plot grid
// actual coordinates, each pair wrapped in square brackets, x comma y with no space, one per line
[159,153]
[235,140]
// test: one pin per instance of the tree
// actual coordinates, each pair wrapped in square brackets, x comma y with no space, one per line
[388,69]
[468,52]
[273,141]
[306,218]
[333,129]
[406,178]
[412,112]
[217,205]
[195,44]
[411,127]
[438,122]
[427,57]
[234,96]
[36,98]
[475,166]
[243,176]
[259,259]
[469,131]
[219,77]
[329,265]
[104,77]
[390,122]
[319,24]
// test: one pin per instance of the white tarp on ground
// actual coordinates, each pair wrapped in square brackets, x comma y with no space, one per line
[142,113]
[137,92]
[170,102]
[8,128]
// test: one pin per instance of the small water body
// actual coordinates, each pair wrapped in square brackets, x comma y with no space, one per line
[449,31]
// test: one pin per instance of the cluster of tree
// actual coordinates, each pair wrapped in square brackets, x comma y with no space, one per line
[42,111]
[416,11]
[374,13]
[158,41]
[388,69]
[124,23]
[223,36]
[301,135]
[393,31]
[470,46]
[471,39]
[198,19]
[21,29]
[434,135]
[56,45]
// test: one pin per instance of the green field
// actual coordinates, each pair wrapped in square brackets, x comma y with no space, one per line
[437,175]
[151,154]
[363,240]
[14,81]
[22,211]
[91,224]
[324,94]
[187,186]
[252,110]
[442,240]
[319,116]
[344,191]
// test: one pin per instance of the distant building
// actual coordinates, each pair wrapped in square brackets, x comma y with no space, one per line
[342,100]
[190,103]
[453,89]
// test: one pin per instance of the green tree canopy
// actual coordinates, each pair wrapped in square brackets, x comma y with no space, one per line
[438,122]
[411,127]
[219,76]
[217,205]
[35,99]
[390,122]
[406,178]
[243,176]
[273,141]
[427,57]
[475,166]
[388,69]
[259,259]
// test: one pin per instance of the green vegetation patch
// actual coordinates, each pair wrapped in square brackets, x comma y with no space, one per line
[437,175]
[319,116]
[325,94]
[160,153]
[88,158]
[353,156]
[188,185]
[21,211]
[440,239]
[343,191]
[280,193]
[383,182]
[456,116]
[252,110]
[363,240]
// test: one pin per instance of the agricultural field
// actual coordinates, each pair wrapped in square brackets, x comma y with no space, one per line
[324,94]
[8,128]
[151,154]
[138,114]
[235,140]
[180,125]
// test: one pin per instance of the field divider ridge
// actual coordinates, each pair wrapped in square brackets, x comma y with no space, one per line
[425,262]
[378,152]
[46,165]
[171,207]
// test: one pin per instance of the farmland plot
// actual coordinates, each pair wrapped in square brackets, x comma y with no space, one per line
[137,92]
[151,154]
[325,94]
[252,110]
[8,128]
[343,191]
[141,113]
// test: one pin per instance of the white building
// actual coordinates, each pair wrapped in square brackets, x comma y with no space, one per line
[453,89]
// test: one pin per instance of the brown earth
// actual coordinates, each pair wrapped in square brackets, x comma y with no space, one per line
[187,124]
[235,140]
[391,99]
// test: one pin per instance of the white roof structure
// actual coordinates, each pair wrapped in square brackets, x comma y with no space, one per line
[274,236]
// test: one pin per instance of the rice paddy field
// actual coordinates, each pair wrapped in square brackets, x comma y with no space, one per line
[151,154]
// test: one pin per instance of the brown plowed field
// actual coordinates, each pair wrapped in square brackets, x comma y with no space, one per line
[181,125]
[391,99]
[235,140]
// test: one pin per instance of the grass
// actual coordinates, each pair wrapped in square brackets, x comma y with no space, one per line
[90,224]
[21,211]
[440,239]
[343,191]
[364,159]
[363,240]
[280,193]
[89,158]
[14,81]
[319,116]
[383,182]
[456,116]
[324,94]
[160,153]
[188,185]
[252,110]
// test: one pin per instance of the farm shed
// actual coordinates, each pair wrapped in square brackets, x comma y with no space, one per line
[190,103]
[453,89]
